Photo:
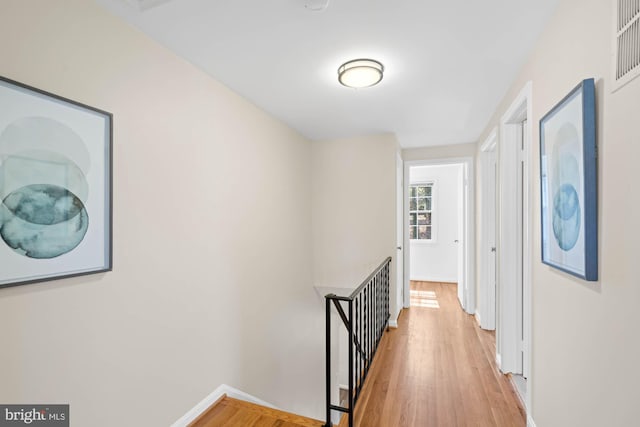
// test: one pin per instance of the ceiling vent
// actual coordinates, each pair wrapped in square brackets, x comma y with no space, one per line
[626,42]
[143,5]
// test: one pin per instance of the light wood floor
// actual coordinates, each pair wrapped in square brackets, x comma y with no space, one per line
[437,369]
[229,412]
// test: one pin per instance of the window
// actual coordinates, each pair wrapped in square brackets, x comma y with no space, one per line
[420,211]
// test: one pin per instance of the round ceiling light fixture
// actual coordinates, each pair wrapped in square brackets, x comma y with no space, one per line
[360,73]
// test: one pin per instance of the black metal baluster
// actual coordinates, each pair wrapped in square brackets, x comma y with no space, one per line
[388,290]
[328,357]
[382,298]
[378,289]
[386,300]
[371,314]
[361,358]
[365,326]
[358,357]
[382,312]
[381,278]
[374,286]
[375,318]
[364,355]
[351,351]
[384,303]
[381,305]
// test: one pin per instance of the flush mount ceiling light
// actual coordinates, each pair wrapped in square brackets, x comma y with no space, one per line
[317,5]
[360,73]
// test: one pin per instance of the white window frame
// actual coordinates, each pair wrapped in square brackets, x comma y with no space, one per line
[432,184]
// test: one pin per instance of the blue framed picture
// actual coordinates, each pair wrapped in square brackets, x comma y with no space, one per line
[55,186]
[568,184]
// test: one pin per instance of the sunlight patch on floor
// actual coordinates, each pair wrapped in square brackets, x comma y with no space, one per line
[426,299]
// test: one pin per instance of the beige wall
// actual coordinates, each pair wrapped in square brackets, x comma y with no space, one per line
[212,235]
[585,335]
[212,231]
[354,209]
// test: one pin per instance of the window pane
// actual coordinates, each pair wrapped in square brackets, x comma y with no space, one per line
[412,232]
[422,191]
[428,191]
[422,204]
[422,232]
[422,219]
[412,191]
[412,219]
[428,203]
[429,232]
[412,204]
[428,218]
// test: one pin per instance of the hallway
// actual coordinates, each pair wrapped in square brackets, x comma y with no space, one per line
[437,369]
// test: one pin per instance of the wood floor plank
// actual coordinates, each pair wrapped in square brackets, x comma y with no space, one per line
[229,412]
[437,369]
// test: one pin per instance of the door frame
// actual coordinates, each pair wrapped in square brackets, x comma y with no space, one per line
[469,300]
[508,343]
[399,262]
[486,313]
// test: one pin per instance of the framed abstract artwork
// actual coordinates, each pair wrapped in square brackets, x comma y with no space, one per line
[569,186]
[55,186]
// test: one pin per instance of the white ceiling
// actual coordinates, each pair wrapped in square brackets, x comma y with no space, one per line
[448,62]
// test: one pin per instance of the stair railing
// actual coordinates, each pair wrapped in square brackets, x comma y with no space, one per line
[366,318]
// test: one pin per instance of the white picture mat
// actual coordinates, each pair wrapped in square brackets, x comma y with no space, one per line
[93,128]
[574,259]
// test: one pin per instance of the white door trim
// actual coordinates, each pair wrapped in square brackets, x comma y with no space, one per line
[399,261]
[469,300]
[487,288]
[508,335]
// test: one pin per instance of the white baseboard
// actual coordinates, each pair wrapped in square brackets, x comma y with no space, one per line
[393,323]
[530,422]
[210,400]
[499,361]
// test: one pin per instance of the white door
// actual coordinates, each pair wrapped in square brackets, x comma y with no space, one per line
[493,259]
[488,266]
[514,255]
[399,233]
[524,291]
[520,242]
[460,241]
[489,245]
